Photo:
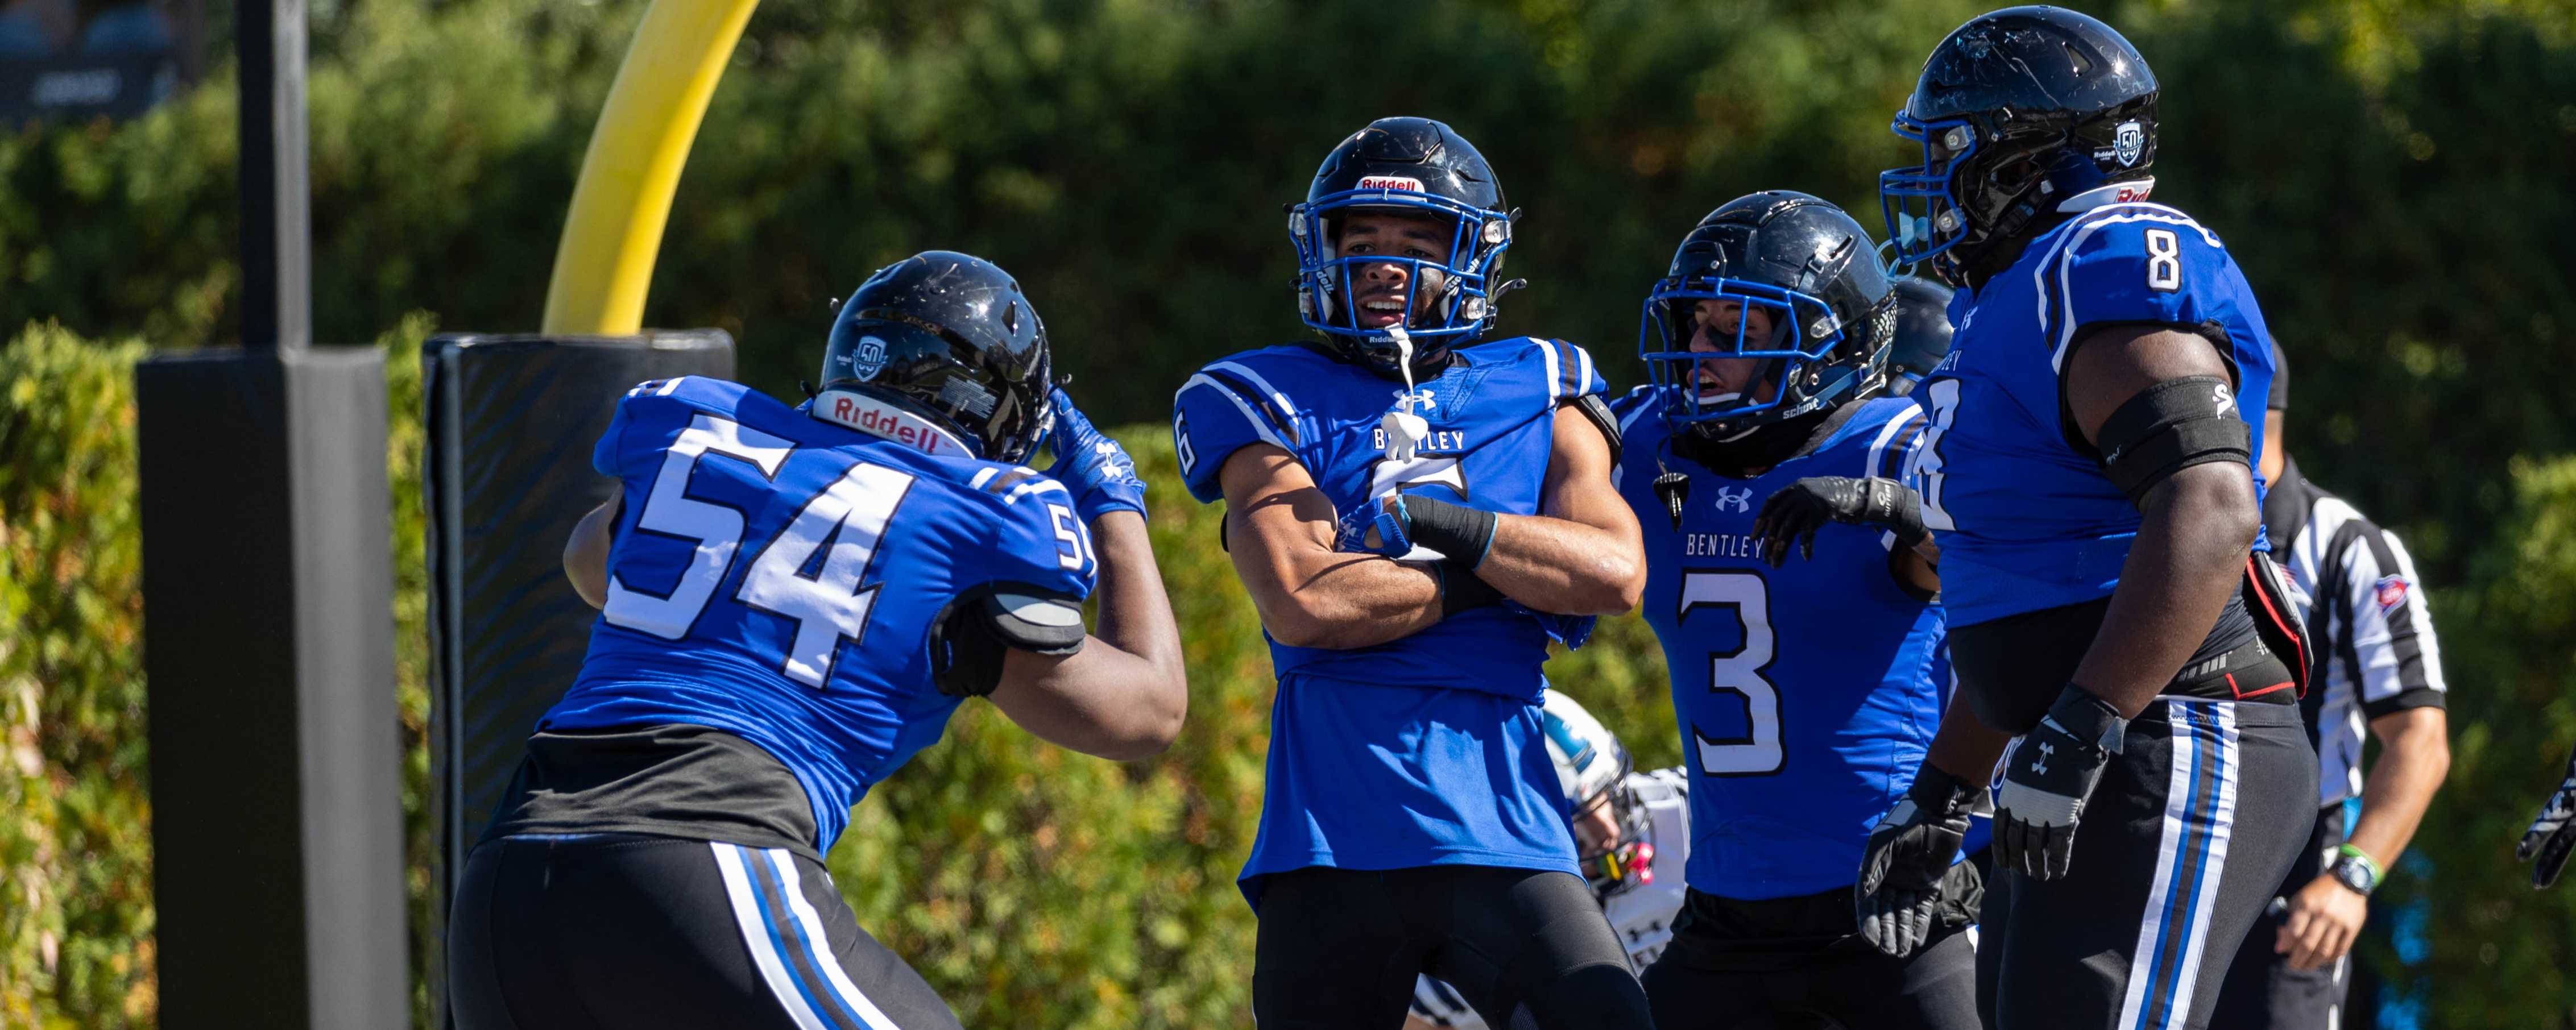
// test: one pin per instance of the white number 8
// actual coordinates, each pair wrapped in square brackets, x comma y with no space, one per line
[2164,260]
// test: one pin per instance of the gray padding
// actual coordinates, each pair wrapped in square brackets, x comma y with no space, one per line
[1040,625]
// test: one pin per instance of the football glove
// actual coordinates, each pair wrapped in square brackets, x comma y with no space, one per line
[1907,858]
[1092,465]
[2552,835]
[2046,779]
[1801,508]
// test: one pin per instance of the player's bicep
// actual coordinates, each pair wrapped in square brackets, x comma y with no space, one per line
[1577,488]
[2112,365]
[1276,517]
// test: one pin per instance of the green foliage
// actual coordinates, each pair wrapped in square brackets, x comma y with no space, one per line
[75,843]
[2509,648]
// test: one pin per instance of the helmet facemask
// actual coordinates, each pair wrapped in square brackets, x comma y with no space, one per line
[1448,302]
[1989,183]
[1627,862]
[1804,363]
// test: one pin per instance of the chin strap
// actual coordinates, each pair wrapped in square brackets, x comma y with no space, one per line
[1404,429]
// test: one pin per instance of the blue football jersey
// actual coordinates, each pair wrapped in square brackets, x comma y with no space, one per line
[2026,521]
[775,575]
[1806,694]
[1425,750]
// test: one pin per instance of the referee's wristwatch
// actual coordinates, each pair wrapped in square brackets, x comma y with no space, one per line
[2354,868]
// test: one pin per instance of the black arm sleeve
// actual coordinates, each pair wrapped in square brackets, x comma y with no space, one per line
[2169,427]
[970,637]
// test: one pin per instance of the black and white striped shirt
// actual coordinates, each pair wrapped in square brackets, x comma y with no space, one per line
[2373,636]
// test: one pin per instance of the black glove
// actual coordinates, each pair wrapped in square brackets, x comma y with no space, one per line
[1907,858]
[2552,835]
[1803,507]
[2046,779]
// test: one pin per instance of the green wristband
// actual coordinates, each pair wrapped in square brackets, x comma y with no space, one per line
[2348,851]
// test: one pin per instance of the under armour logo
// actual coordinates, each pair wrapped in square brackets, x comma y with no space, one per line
[2040,765]
[1109,455]
[1740,500]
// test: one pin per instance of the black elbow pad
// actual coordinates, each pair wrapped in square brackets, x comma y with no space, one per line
[2172,426]
[970,636]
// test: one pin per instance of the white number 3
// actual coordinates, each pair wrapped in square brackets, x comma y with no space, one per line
[2164,260]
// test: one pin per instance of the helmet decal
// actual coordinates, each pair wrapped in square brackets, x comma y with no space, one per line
[2128,142]
[868,359]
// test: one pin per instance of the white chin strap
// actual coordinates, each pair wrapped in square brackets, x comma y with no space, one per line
[1404,430]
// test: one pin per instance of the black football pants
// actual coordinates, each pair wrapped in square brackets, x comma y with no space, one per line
[1799,964]
[2263,992]
[612,931]
[1338,949]
[2176,854]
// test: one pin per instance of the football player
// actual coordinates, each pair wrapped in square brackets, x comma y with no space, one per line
[792,601]
[1633,829]
[1806,691]
[1415,510]
[2089,472]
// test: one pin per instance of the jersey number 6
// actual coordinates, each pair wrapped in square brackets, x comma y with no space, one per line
[1757,752]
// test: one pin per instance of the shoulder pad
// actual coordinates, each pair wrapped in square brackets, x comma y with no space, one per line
[1031,534]
[1232,403]
[2126,263]
[1566,367]
[969,638]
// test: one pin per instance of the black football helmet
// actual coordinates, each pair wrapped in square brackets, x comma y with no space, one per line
[1414,166]
[947,337]
[1922,332]
[1832,314]
[2023,115]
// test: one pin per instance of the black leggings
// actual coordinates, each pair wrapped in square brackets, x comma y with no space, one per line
[609,931]
[1799,964]
[1339,949]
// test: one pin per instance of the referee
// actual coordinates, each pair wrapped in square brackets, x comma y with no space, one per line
[2376,665]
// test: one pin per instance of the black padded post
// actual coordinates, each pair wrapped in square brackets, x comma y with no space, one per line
[276,752]
[511,424]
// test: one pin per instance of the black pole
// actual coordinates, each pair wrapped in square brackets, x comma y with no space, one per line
[268,611]
[277,214]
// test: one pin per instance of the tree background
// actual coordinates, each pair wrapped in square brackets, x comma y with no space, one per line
[2394,175]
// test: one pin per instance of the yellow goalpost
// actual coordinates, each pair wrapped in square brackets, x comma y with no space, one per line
[604,262]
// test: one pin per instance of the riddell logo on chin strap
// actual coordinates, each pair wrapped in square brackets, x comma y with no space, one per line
[877,418]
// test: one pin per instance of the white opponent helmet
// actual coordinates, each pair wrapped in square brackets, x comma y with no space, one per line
[1589,760]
